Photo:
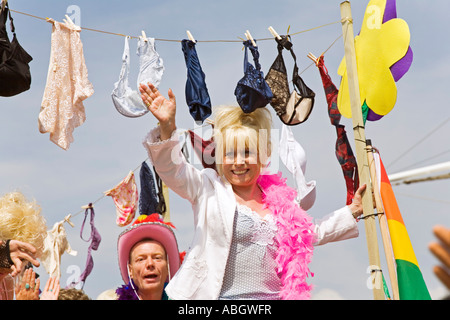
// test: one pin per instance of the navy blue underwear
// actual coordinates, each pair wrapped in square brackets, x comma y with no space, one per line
[197,96]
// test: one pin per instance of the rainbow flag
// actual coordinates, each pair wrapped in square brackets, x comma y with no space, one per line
[411,284]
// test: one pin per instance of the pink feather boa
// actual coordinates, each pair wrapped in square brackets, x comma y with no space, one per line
[295,237]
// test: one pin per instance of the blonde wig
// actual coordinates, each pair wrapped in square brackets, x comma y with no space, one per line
[22,220]
[233,128]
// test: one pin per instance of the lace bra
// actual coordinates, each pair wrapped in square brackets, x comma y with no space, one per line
[292,108]
[252,91]
[251,270]
[264,228]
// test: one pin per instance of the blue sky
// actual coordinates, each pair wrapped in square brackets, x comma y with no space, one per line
[108,145]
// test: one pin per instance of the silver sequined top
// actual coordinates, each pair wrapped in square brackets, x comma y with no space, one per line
[251,267]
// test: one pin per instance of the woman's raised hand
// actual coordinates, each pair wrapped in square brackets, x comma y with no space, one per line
[163,109]
[28,287]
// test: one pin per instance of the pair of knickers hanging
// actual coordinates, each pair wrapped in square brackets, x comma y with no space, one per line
[55,244]
[62,108]
[125,196]
[15,76]
[127,101]
[292,108]
[344,151]
[197,96]
[150,201]
[252,91]
[162,207]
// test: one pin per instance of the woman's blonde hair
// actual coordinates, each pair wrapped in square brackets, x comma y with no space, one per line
[22,220]
[233,127]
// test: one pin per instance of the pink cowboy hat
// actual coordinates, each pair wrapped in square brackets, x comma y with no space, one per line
[148,227]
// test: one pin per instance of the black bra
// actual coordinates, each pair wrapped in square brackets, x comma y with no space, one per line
[292,108]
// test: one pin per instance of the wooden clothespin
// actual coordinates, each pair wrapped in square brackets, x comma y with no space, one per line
[190,37]
[313,58]
[89,206]
[67,219]
[144,36]
[249,37]
[274,33]
[3,5]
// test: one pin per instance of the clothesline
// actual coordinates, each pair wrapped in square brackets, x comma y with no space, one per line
[70,216]
[172,40]
[67,218]
[203,41]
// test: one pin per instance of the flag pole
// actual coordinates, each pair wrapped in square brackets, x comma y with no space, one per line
[390,260]
[360,146]
[165,191]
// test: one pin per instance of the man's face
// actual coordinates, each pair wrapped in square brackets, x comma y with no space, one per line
[148,267]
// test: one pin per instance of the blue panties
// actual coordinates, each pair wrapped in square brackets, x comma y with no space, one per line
[197,96]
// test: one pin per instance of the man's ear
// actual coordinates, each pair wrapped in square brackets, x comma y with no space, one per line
[130,274]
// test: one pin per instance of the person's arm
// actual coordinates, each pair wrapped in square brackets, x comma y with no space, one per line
[164,110]
[164,149]
[356,207]
[13,252]
[441,250]
[341,224]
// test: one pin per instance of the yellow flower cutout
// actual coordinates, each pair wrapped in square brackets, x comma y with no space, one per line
[378,46]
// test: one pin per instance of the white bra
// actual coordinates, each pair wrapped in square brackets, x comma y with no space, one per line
[126,100]
[293,157]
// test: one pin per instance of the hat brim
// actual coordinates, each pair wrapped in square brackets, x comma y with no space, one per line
[148,230]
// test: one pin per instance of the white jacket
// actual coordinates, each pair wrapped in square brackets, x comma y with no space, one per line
[214,204]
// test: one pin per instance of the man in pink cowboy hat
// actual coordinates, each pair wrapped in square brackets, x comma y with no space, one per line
[148,258]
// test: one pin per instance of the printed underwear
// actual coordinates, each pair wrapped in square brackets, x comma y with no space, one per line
[125,197]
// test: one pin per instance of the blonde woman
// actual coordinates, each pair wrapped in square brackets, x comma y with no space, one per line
[252,241]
